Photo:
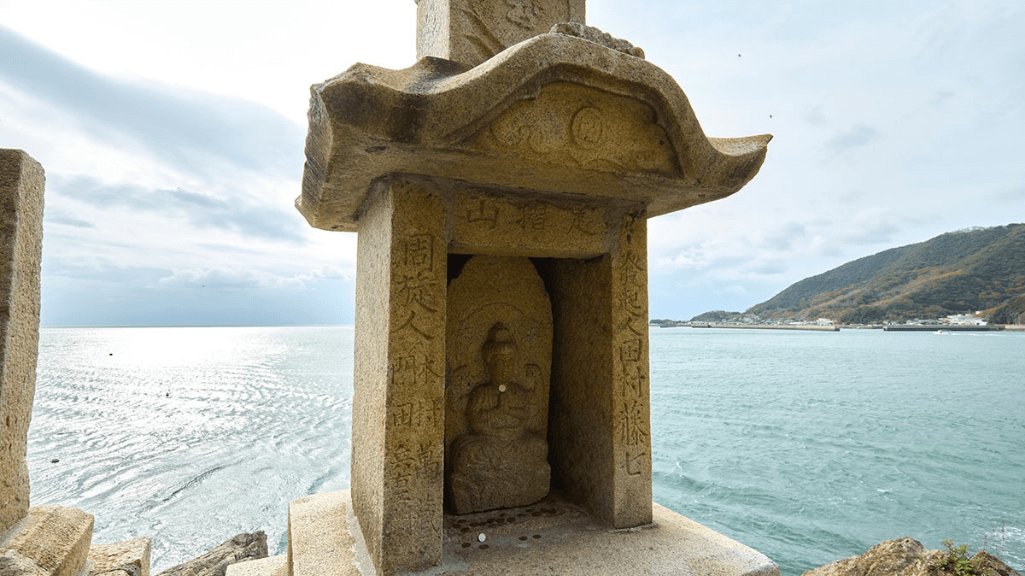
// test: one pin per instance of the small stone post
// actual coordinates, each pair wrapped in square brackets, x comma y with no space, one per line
[21,247]
[43,540]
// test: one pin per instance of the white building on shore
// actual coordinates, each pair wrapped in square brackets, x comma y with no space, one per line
[966,320]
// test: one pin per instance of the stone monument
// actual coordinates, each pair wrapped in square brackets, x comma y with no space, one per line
[501,188]
[46,540]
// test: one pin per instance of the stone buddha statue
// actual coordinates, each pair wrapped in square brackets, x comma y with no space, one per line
[499,463]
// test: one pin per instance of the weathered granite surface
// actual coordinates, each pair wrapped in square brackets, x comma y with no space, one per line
[471,32]
[272,566]
[240,548]
[556,114]
[51,541]
[904,557]
[21,245]
[415,235]
[553,536]
[127,558]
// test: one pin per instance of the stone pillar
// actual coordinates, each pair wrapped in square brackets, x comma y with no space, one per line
[631,427]
[601,439]
[51,540]
[398,407]
[470,31]
[21,245]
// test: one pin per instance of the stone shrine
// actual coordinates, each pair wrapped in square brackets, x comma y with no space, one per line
[501,188]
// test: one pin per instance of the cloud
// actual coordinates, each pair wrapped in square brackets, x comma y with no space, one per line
[51,216]
[191,130]
[326,272]
[941,96]
[237,213]
[695,257]
[1010,195]
[228,280]
[769,268]
[735,290]
[783,237]
[857,136]
[814,116]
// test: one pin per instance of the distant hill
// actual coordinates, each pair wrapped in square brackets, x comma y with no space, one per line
[958,272]
[1011,312]
[717,317]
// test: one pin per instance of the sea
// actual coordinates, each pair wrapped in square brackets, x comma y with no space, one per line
[807,446]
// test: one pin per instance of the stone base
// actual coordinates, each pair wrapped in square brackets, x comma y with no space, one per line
[550,537]
[50,541]
[273,566]
[131,557]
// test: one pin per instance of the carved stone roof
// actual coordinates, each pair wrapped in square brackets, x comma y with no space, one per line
[555,114]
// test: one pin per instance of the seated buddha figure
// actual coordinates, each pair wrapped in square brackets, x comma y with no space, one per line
[499,463]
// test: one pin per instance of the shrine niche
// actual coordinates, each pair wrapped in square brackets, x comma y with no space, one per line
[498,356]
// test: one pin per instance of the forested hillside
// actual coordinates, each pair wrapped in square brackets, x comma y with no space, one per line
[958,272]
[1011,312]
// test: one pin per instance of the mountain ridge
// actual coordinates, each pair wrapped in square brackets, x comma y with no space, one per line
[977,269]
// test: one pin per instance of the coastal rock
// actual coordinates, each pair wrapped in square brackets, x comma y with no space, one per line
[904,557]
[994,565]
[890,558]
[241,548]
[52,541]
[128,558]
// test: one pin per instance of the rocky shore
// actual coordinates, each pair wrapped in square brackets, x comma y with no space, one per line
[901,557]
[907,557]
[241,548]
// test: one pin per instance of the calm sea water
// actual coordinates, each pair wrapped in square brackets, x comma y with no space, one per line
[809,447]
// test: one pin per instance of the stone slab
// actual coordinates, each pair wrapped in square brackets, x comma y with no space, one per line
[273,566]
[551,537]
[130,556]
[21,245]
[52,541]
[323,535]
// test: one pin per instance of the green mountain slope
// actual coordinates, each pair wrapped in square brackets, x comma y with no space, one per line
[954,273]
[1011,312]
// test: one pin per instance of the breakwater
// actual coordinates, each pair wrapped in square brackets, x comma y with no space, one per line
[813,328]
[935,328]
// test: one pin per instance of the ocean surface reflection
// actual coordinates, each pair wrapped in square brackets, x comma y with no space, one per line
[806,446]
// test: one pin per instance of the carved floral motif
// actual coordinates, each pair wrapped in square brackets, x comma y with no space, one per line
[582,127]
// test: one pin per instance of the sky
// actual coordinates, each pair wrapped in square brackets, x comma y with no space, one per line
[172,138]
